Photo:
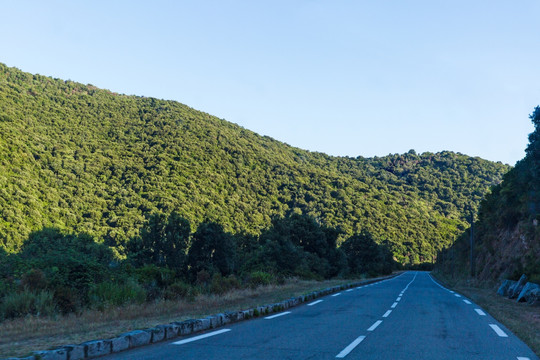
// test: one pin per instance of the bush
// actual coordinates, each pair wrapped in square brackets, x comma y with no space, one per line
[180,290]
[109,293]
[66,299]
[25,303]
[34,280]
[221,285]
[259,278]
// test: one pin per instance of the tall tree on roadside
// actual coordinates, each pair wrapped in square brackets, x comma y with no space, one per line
[164,241]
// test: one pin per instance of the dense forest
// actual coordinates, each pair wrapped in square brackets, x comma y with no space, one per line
[84,160]
[506,235]
[107,199]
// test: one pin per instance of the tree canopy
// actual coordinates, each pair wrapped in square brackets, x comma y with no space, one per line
[86,160]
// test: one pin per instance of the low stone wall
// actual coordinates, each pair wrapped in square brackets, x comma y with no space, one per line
[521,290]
[133,339]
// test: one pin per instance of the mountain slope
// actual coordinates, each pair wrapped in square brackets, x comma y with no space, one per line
[506,235]
[87,160]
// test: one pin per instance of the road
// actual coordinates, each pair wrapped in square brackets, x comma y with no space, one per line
[407,317]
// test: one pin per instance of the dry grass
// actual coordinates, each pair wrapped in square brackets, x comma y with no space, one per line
[22,336]
[522,319]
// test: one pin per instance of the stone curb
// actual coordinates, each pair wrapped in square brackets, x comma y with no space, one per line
[133,339]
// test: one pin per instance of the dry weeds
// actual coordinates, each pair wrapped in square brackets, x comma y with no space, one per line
[22,336]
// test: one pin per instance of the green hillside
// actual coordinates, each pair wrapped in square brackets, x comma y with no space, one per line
[506,233]
[86,160]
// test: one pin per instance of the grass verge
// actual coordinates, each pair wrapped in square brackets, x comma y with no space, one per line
[22,336]
[522,319]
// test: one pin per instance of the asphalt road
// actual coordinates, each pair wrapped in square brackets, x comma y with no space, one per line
[407,317]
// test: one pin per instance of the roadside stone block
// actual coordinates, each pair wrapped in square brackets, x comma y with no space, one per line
[75,352]
[118,344]
[505,287]
[514,291]
[248,314]
[197,325]
[230,317]
[170,330]
[56,354]
[214,321]
[186,327]
[138,338]
[98,348]
[158,334]
[205,324]
[527,292]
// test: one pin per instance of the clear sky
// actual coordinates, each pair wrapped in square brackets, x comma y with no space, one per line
[343,77]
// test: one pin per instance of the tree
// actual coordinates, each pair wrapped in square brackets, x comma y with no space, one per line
[365,256]
[163,242]
[212,250]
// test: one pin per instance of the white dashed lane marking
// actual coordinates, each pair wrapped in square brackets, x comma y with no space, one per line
[314,303]
[336,294]
[185,341]
[498,330]
[374,326]
[277,315]
[467,302]
[351,347]
[480,312]
[387,313]
[394,305]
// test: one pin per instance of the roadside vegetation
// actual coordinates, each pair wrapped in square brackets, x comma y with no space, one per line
[23,335]
[58,273]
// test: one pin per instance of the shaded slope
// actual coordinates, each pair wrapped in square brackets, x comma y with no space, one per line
[506,235]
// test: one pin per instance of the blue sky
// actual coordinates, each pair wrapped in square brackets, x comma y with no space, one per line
[346,78]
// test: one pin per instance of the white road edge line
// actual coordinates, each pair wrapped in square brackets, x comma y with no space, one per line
[498,330]
[374,326]
[394,305]
[480,312]
[387,313]
[467,302]
[277,315]
[350,348]
[336,294]
[315,302]
[185,341]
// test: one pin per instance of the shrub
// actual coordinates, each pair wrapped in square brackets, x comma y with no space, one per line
[221,285]
[25,303]
[66,299]
[109,293]
[259,278]
[179,290]
[34,280]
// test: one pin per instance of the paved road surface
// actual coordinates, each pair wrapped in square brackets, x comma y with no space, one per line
[407,317]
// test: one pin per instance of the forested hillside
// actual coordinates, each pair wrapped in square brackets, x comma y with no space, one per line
[86,160]
[506,233]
